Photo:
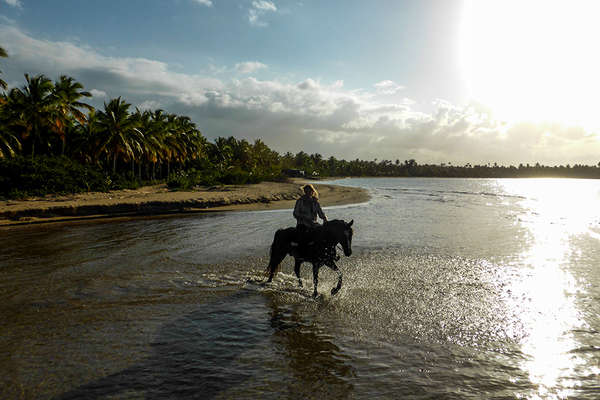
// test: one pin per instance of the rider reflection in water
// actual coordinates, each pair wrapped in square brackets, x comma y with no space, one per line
[306,211]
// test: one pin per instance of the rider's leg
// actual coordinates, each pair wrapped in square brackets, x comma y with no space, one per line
[303,237]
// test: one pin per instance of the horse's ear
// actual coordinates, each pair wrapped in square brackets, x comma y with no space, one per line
[350,223]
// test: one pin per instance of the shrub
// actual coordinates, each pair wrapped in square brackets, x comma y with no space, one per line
[181,180]
[235,176]
[22,176]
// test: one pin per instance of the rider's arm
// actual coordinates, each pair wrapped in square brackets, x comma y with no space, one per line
[320,212]
[297,209]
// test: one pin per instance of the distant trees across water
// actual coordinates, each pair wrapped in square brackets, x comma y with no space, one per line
[52,141]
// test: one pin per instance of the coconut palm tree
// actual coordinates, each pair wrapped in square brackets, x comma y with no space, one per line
[67,93]
[32,110]
[120,136]
[85,140]
[9,142]
[153,125]
[264,157]
[180,140]
[192,142]
[4,54]
[197,142]
[221,153]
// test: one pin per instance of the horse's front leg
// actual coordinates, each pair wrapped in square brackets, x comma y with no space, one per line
[297,265]
[316,267]
[334,267]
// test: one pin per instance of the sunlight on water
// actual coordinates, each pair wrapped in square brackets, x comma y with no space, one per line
[555,211]
[456,288]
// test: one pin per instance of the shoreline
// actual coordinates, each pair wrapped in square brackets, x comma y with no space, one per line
[158,200]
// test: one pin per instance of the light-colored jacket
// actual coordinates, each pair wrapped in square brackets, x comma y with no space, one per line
[306,211]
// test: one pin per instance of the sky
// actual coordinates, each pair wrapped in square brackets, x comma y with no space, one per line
[438,81]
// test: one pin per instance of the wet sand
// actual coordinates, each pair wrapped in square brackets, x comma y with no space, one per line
[159,200]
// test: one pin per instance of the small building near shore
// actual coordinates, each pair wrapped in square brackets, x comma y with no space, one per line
[294,173]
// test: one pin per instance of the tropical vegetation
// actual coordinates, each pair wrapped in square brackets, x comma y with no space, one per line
[52,141]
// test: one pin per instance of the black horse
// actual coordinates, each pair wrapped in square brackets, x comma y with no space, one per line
[321,249]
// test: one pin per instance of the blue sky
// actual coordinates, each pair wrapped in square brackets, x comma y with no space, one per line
[381,79]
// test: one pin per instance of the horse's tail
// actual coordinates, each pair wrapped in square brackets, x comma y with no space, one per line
[277,253]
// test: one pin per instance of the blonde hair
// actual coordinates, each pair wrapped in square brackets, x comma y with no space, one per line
[310,190]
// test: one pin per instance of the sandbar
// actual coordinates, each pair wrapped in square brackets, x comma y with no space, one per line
[159,200]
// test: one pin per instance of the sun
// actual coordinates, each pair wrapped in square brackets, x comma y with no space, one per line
[533,60]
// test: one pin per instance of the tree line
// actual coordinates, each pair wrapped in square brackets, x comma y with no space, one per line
[51,140]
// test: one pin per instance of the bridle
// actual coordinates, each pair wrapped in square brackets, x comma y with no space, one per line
[339,246]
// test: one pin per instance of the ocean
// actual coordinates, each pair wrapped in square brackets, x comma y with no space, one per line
[456,289]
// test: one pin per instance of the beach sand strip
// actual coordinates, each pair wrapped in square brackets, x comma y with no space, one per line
[159,200]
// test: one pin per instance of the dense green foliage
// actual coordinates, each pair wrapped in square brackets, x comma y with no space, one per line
[21,176]
[45,139]
[53,142]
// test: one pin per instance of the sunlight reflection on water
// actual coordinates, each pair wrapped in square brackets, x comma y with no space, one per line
[457,288]
[555,211]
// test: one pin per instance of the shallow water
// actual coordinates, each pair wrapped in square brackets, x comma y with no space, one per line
[457,288]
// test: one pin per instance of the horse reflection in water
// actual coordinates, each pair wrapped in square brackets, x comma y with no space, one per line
[321,251]
[265,349]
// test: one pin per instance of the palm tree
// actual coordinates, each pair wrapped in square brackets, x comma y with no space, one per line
[85,141]
[154,125]
[221,153]
[3,54]
[182,140]
[31,109]
[120,136]
[171,142]
[67,93]
[9,142]
[193,143]
[265,157]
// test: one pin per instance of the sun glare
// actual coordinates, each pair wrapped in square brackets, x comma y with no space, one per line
[533,60]
[555,211]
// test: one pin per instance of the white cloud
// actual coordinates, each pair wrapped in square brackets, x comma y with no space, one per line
[264,5]
[149,105]
[258,10]
[308,115]
[388,87]
[253,18]
[14,3]
[249,67]
[137,76]
[207,3]
[98,93]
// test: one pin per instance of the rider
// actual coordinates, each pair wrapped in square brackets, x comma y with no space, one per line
[306,211]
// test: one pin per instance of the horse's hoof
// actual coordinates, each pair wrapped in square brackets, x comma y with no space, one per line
[315,295]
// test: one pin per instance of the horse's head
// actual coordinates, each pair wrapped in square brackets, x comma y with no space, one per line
[343,234]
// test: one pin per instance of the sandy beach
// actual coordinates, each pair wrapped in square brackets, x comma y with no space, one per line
[159,200]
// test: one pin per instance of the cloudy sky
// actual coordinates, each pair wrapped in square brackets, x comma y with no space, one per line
[438,81]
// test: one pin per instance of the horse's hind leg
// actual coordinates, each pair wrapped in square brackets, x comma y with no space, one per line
[316,278]
[274,262]
[297,265]
[339,284]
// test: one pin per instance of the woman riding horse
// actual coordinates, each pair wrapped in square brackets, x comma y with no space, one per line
[306,210]
[322,253]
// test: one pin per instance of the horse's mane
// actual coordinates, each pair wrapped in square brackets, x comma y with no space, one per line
[335,222]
